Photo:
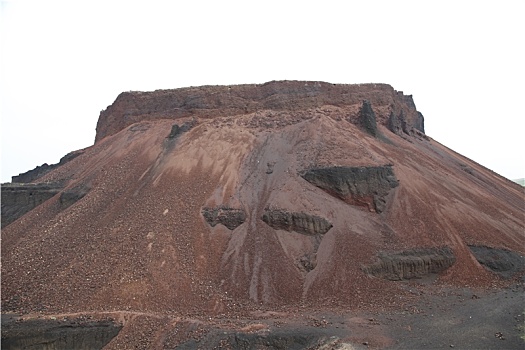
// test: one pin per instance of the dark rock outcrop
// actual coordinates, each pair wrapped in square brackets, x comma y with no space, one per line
[32,175]
[57,334]
[503,262]
[361,186]
[398,124]
[409,264]
[229,217]
[367,119]
[18,199]
[419,122]
[177,129]
[299,222]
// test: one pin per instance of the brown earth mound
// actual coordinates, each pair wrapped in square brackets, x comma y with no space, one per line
[224,200]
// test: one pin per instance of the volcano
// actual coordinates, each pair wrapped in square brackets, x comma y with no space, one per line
[244,201]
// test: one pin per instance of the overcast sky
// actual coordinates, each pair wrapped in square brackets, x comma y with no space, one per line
[62,62]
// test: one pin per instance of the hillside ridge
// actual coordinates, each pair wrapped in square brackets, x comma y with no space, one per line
[213,101]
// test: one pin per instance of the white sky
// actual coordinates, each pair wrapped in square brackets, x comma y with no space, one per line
[62,62]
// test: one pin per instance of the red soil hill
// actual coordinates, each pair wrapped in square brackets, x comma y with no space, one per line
[219,199]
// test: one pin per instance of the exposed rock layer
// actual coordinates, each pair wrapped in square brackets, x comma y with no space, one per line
[18,199]
[361,186]
[214,101]
[367,119]
[299,222]
[58,334]
[410,264]
[39,171]
[229,217]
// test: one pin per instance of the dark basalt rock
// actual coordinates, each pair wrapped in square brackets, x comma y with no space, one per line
[414,263]
[39,171]
[367,119]
[18,199]
[419,124]
[57,334]
[299,222]
[361,186]
[229,217]
[503,262]
[177,129]
[398,124]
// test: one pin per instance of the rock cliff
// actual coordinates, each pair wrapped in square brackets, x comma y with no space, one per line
[214,101]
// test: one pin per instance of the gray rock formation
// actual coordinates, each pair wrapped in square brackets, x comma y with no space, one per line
[229,217]
[367,119]
[398,124]
[410,264]
[57,334]
[503,262]
[177,129]
[299,222]
[32,175]
[18,199]
[361,186]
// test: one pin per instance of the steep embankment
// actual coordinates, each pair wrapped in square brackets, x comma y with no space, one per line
[289,193]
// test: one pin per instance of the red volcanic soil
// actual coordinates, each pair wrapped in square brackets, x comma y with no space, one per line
[162,226]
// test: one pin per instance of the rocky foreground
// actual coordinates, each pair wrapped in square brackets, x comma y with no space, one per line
[282,215]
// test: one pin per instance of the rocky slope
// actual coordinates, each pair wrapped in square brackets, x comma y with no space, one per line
[224,200]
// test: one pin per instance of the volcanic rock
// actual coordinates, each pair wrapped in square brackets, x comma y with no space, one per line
[229,217]
[20,198]
[176,130]
[56,334]
[503,262]
[361,186]
[209,102]
[367,118]
[262,197]
[414,263]
[298,222]
[39,171]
